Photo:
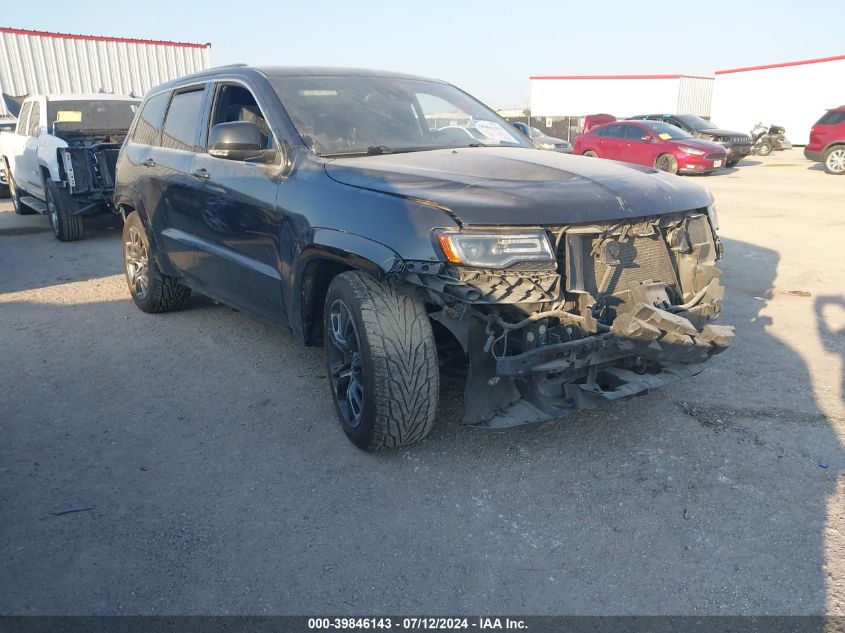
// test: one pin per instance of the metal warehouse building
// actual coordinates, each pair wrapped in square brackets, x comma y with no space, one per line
[36,62]
[620,95]
[793,95]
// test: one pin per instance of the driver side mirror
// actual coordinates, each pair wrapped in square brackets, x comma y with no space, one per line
[239,140]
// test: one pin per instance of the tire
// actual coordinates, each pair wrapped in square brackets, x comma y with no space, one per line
[67,227]
[765,149]
[382,362]
[151,290]
[15,194]
[834,160]
[590,153]
[731,163]
[667,163]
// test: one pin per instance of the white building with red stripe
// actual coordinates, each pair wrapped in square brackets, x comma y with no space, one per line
[793,95]
[620,95]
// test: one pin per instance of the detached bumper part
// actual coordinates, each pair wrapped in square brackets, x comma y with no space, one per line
[646,348]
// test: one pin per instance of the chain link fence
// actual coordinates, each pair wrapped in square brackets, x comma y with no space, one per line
[564,127]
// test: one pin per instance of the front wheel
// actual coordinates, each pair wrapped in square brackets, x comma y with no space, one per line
[765,149]
[382,362]
[731,163]
[667,163]
[834,160]
[151,290]
[67,226]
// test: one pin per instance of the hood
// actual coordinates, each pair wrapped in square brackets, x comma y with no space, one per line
[714,131]
[705,146]
[512,186]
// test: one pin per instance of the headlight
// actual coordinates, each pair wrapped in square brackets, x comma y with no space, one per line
[546,145]
[691,150]
[491,249]
[706,137]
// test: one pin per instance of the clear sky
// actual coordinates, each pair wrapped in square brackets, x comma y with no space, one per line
[488,48]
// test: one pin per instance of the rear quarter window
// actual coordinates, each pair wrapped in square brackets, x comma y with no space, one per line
[148,129]
[833,117]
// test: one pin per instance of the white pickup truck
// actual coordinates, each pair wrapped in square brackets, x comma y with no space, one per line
[60,158]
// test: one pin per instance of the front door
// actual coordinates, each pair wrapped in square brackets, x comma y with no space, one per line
[239,225]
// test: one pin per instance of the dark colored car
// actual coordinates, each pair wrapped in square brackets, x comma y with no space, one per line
[827,141]
[653,144]
[541,140]
[737,144]
[327,202]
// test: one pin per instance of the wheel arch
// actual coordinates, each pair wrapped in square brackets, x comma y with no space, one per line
[327,254]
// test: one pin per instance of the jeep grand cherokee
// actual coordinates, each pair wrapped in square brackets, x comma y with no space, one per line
[331,203]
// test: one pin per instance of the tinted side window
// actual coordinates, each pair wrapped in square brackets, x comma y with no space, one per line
[34,119]
[634,132]
[23,119]
[182,124]
[148,129]
[832,118]
[616,131]
[236,103]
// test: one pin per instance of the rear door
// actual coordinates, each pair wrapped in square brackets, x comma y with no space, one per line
[239,227]
[30,175]
[16,146]
[180,191]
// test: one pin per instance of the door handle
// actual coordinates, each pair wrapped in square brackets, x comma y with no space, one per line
[148,163]
[201,173]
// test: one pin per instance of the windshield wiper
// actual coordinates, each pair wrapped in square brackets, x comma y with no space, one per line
[380,149]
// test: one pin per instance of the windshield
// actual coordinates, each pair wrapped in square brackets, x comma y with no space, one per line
[536,132]
[695,122]
[91,115]
[378,115]
[666,132]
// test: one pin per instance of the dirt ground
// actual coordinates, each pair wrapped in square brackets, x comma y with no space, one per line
[201,454]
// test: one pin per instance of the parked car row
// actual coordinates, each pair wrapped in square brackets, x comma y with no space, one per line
[325,201]
[678,144]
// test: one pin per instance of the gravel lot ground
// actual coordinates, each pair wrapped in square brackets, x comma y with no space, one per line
[206,446]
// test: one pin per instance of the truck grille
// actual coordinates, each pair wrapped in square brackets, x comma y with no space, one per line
[640,259]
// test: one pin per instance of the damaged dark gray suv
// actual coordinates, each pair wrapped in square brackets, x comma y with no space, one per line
[407,228]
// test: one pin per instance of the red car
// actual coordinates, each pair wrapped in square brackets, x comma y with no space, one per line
[827,141]
[651,143]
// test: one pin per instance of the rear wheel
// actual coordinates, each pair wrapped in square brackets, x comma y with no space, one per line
[67,226]
[765,149]
[15,194]
[382,362]
[834,160]
[590,153]
[152,291]
[667,163]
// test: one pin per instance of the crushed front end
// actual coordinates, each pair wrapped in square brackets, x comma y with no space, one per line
[616,309]
[87,168]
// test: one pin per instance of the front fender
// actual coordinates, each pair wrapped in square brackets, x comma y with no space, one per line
[341,251]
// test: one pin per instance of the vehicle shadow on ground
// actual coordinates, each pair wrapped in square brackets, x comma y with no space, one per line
[207,445]
[25,240]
